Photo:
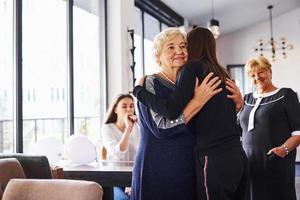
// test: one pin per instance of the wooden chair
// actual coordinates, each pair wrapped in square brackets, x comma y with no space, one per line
[15,186]
[52,189]
[34,166]
[9,168]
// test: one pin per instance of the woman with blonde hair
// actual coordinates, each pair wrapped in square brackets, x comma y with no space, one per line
[270,120]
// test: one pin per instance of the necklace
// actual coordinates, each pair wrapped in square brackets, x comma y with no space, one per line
[167,78]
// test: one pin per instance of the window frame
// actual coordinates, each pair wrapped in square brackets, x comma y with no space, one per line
[18,68]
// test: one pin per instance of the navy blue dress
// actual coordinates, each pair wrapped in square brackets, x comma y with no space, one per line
[164,165]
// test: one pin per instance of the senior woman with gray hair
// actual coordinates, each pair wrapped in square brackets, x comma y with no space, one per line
[164,165]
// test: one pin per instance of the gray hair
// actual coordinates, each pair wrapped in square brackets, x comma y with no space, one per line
[161,38]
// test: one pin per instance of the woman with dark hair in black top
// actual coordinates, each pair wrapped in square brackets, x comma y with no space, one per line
[221,163]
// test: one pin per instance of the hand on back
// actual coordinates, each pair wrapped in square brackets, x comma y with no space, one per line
[236,95]
[140,81]
[207,89]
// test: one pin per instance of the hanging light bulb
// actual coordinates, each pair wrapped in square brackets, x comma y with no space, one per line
[273,46]
[213,25]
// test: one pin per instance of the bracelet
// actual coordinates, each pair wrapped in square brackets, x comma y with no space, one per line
[285,149]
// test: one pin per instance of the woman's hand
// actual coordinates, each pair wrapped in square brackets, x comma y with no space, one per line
[289,145]
[279,151]
[236,95]
[207,89]
[127,190]
[140,81]
[129,120]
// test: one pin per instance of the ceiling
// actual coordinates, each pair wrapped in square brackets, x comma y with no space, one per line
[232,14]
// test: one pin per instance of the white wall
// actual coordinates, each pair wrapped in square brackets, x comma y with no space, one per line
[236,48]
[119,20]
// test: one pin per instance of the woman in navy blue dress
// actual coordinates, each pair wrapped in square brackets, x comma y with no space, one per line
[164,166]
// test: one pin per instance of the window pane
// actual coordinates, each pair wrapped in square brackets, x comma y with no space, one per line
[6,76]
[237,74]
[87,100]
[44,70]
[151,29]
[138,70]
[138,43]
[248,85]
[240,76]
[164,26]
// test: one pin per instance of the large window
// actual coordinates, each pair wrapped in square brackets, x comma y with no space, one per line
[6,76]
[44,70]
[59,71]
[164,26]
[152,27]
[139,71]
[87,99]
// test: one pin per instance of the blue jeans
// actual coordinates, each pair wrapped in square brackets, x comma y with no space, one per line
[119,194]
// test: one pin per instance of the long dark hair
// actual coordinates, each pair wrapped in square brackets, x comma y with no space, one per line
[111,116]
[202,45]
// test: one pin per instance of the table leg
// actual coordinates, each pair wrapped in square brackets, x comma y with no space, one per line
[108,193]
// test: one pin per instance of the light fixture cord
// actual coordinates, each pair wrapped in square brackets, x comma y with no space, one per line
[273,48]
[212,9]
[271,23]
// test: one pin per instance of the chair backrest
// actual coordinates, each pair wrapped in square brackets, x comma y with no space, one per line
[103,153]
[9,168]
[55,189]
[34,166]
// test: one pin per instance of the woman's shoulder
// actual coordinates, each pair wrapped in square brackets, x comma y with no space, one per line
[195,63]
[194,67]
[249,99]
[149,82]
[106,127]
[287,91]
[289,94]
[151,78]
[248,95]
[154,82]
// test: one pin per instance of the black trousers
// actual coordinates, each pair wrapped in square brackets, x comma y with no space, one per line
[223,175]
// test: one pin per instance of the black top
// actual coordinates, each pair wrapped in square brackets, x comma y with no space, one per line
[214,125]
[275,120]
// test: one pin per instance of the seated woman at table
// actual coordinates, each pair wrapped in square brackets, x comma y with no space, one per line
[120,135]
